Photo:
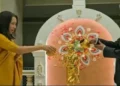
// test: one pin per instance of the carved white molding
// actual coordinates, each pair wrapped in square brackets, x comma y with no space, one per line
[79,4]
[29,74]
[98,17]
[29,80]
[60,18]
[39,66]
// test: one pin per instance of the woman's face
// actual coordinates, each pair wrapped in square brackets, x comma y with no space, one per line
[12,26]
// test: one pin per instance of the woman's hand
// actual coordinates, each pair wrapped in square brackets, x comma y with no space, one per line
[50,50]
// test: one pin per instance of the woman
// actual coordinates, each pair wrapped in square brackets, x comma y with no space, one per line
[10,53]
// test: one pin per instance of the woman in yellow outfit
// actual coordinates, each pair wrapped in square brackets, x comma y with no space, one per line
[10,54]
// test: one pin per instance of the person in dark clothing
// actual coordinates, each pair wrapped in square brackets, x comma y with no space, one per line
[112,50]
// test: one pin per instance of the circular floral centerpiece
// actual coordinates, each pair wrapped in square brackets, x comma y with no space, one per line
[77,52]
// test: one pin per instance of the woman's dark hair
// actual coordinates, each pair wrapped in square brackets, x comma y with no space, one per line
[5,19]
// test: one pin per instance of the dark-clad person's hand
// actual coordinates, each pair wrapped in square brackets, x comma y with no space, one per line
[100,46]
[93,40]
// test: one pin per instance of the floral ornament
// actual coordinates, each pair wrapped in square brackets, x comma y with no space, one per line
[77,53]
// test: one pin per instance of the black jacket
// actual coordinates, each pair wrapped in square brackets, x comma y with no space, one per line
[112,50]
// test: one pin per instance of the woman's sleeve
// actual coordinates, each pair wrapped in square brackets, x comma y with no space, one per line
[6,44]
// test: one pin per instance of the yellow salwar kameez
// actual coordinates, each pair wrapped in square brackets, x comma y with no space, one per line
[11,64]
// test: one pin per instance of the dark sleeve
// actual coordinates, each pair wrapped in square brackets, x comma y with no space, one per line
[111,52]
[109,43]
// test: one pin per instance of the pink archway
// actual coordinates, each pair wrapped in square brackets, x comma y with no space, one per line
[97,73]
